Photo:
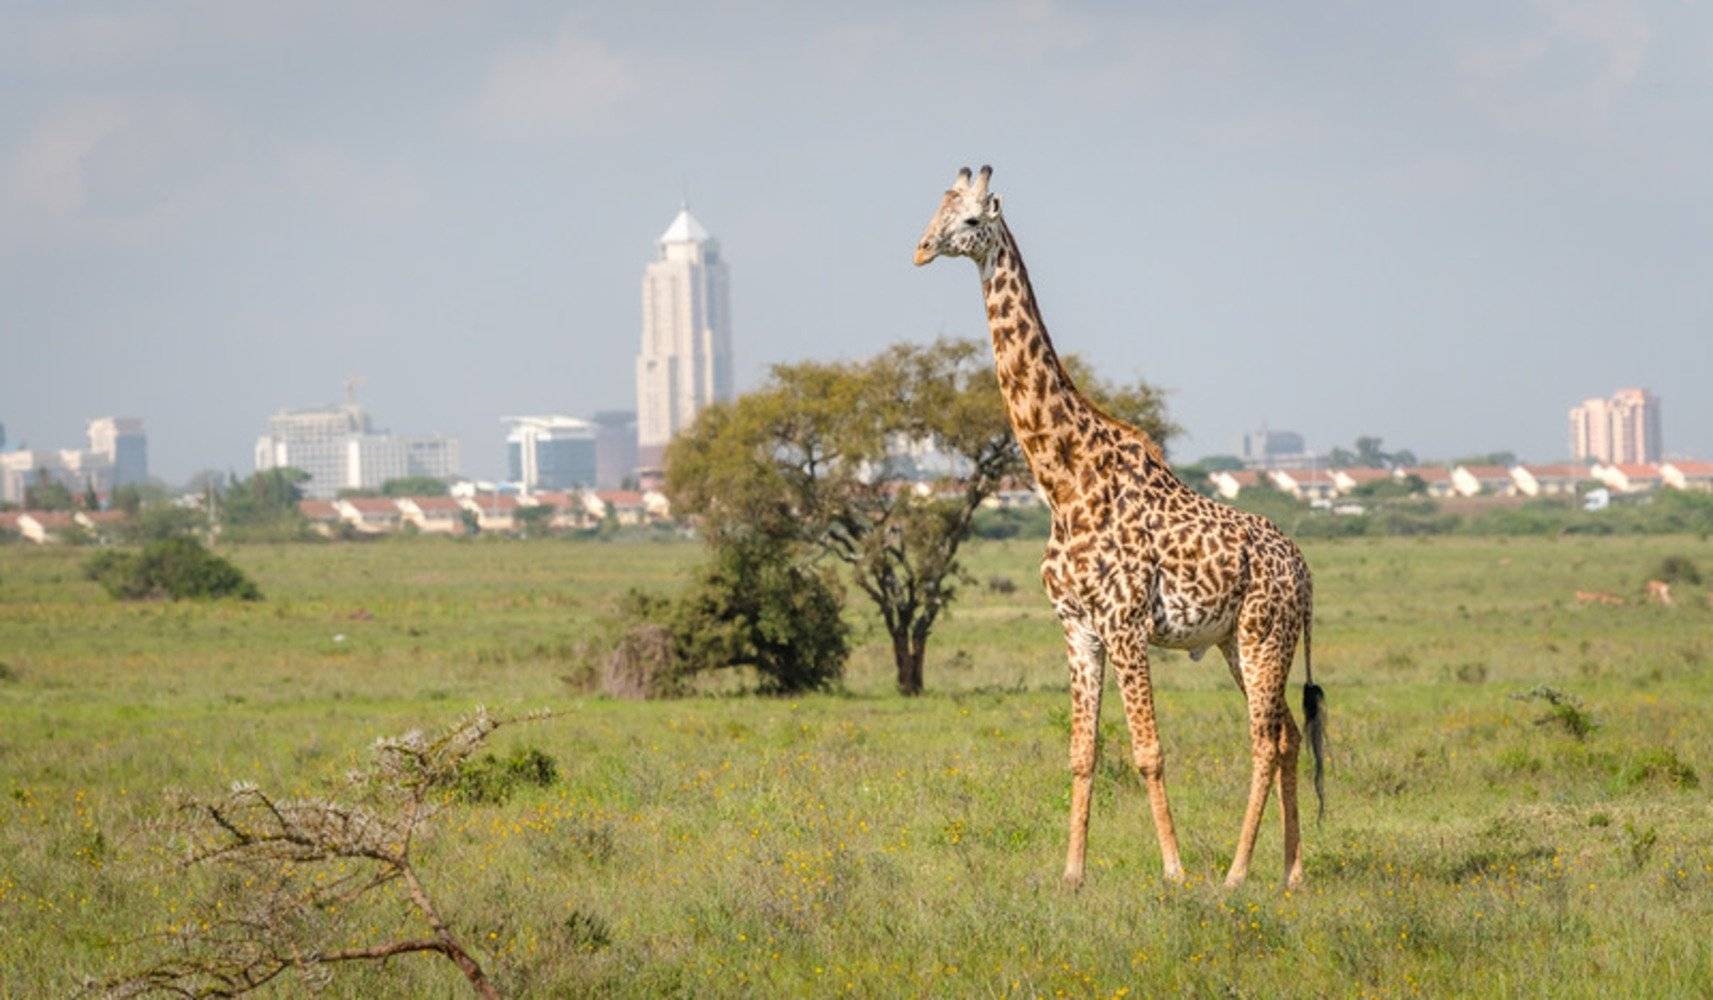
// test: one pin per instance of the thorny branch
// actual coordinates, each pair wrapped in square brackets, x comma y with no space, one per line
[278,914]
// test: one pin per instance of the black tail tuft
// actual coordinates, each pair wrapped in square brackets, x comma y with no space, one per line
[1314,724]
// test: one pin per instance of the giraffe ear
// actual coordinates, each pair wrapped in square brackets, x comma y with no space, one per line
[993,206]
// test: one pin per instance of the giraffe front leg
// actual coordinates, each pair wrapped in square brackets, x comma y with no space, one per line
[1130,664]
[1087,662]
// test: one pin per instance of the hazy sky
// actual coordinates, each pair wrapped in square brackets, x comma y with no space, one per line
[1442,224]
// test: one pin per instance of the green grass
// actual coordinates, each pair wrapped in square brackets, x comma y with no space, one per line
[870,844]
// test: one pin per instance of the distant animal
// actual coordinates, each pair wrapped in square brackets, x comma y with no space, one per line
[1598,597]
[1659,592]
[1137,558]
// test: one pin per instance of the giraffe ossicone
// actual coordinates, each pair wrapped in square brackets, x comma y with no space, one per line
[1138,559]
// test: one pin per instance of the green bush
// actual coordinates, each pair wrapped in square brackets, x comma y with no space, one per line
[491,780]
[1678,569]
[753,605]
[1012,522]
[176,568]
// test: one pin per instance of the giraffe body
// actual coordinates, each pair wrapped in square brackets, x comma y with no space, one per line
[1136,558]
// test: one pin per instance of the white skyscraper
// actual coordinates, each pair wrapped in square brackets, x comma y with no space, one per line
[686,357]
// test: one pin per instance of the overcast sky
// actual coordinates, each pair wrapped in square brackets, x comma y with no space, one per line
[1439,223]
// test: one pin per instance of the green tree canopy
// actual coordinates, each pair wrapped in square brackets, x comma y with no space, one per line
[415,486]
[47,494]
[829,456]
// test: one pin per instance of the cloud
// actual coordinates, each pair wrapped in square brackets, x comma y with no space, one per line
[1566,74]
[569,84]
[111,168]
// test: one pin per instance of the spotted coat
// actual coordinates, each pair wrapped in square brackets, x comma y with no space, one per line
[1135,558]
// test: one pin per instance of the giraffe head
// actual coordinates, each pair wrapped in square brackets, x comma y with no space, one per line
[966,224]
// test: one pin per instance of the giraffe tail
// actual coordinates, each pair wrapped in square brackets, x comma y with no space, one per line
[1314,714]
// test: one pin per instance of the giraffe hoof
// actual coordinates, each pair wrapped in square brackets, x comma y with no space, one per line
[1174,875]
[1073,881]
[1235,879]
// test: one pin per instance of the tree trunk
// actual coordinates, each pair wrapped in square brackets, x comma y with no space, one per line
[907,656]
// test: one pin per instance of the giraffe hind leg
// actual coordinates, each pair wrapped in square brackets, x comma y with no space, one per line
[1263,671]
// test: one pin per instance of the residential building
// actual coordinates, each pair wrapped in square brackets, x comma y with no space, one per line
[685,362]
[615,448]
[370,515]
[1687,474]
[1624,429]
[1564,479]
[1630,477]
[323,515]
[1437,478]
[43,527]
[551,452]
[122,442]
[432,515]
[1347,480]
[1483,480]
[1305,484]
[1229,483]
[493,510]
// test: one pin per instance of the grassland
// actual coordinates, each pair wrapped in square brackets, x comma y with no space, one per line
[866,844]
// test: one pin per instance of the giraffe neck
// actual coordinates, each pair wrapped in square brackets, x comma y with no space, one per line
[1051,419]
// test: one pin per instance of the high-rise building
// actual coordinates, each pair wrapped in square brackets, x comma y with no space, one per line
[1621,430]
[615,448]
[1266,448]
[122,441]
[340,449]
[551,452]
[372,459]
[686,358]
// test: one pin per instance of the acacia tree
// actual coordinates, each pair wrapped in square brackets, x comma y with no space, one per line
[826,457]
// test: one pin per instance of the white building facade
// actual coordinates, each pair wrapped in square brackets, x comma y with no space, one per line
[685,361]
[551,452]
[340,449]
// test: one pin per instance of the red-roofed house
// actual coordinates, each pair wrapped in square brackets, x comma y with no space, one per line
[370,515]
[9,522]
[1629,477]
[626,505]
[1687,474]
[1437,478]
[1228,483]
[43,526]
[432,515]
[493,510]
[1551,480]
[104,523]
[1489,480]
[1347,480]
[1305,484]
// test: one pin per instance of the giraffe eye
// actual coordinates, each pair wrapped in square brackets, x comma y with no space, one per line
[969,222]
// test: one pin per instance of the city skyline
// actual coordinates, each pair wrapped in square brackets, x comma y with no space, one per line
[1430,225]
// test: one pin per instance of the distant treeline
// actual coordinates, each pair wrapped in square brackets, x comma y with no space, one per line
[1658,512]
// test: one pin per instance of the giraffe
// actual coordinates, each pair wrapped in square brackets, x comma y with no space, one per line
[1136,558]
